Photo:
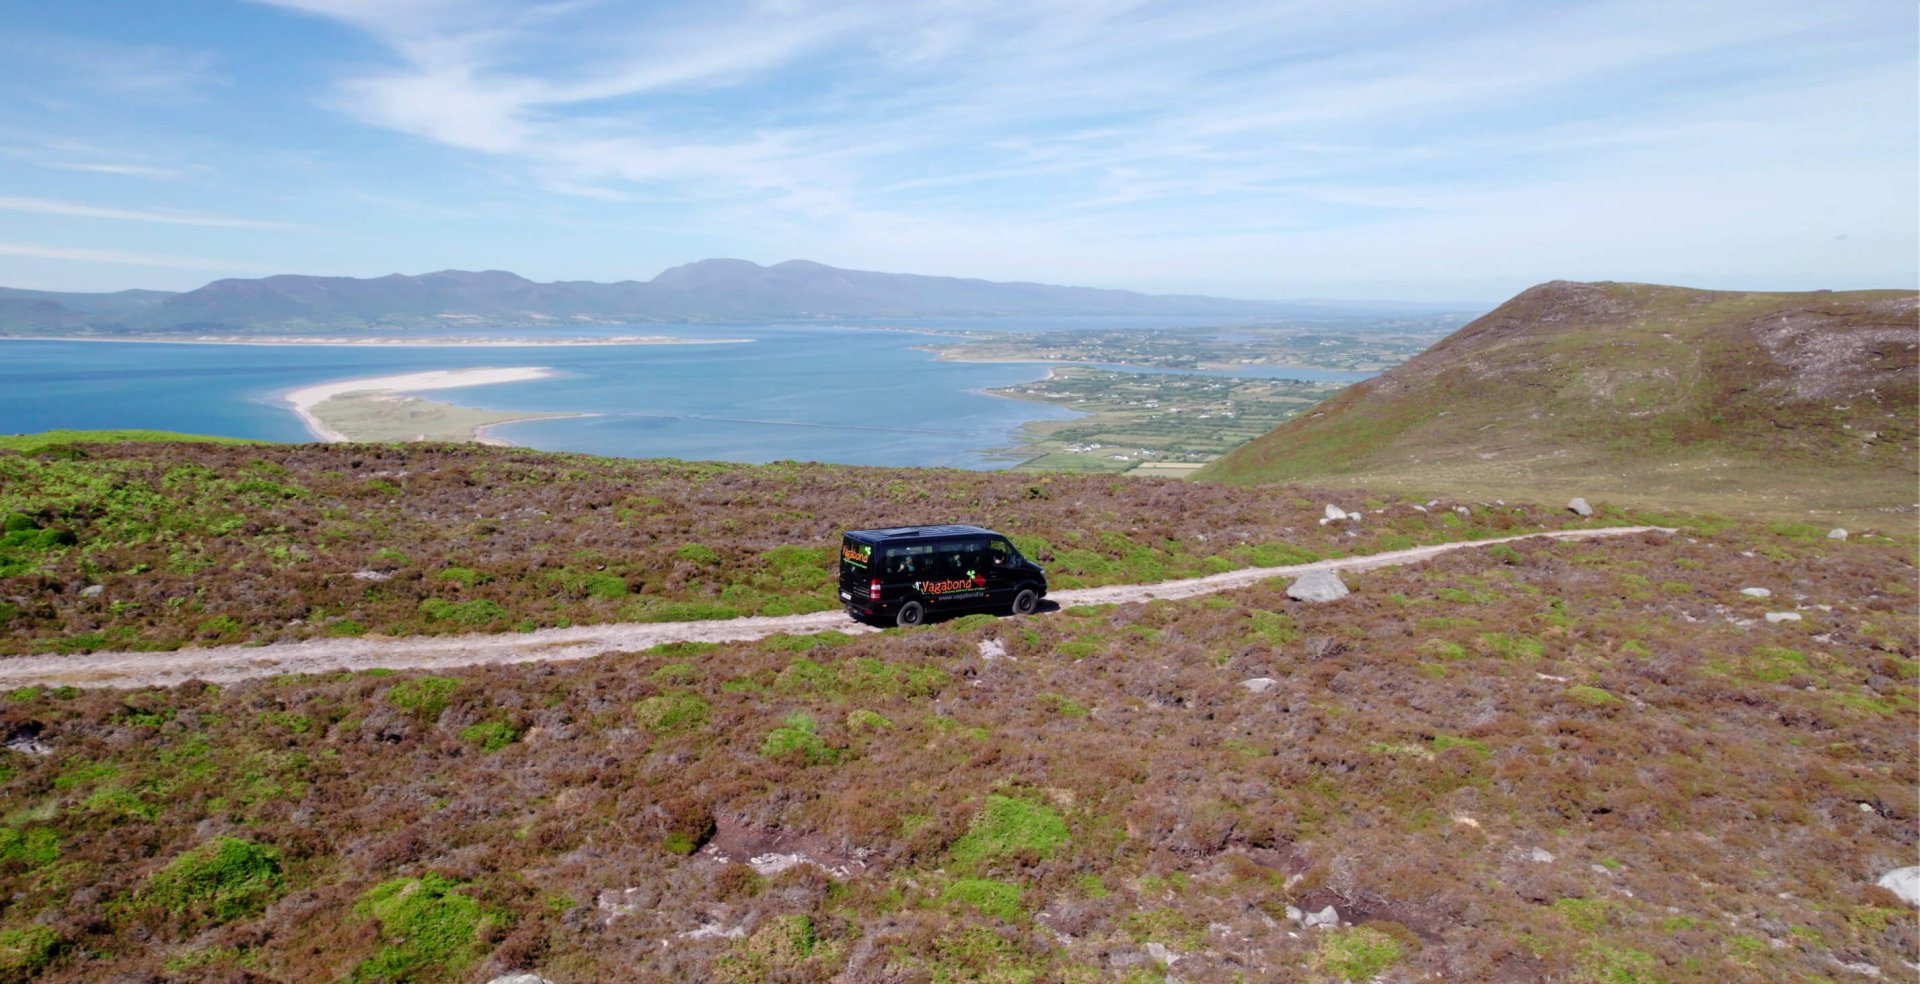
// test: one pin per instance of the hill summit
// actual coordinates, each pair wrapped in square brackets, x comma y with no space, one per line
[1778,403]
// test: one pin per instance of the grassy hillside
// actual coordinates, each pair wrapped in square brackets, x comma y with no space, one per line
[1577,762]
[159,546]
[43,440]
[1771,403]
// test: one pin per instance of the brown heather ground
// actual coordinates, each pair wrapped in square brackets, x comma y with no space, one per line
[202,544]
[1718,793]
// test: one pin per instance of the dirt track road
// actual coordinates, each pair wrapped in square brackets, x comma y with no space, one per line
[225,664]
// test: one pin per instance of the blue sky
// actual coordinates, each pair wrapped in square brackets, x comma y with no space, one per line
[1421,149]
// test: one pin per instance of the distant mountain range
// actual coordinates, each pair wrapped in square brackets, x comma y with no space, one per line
[706,291]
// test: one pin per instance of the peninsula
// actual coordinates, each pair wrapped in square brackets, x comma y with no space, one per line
[381,408]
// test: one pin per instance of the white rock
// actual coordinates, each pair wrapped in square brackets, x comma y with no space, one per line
[1836,534]
[371,575]
[714,930]
[1904,882]
[520,978]
[992,649]
[1259,685]
[1756,592]
[1159,951]
[1463,510]
[1335,512]
[92,591]
[1542,855]
[1579,507]
[1863,969]
[1866,808]
[1317,586]
[1419,508]
[28,745]
[1295,914]
[1783,616]
[1326,918]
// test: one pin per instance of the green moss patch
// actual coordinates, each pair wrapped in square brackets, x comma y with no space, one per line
[222,880]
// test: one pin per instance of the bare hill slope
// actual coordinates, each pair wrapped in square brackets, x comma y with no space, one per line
[1772,403]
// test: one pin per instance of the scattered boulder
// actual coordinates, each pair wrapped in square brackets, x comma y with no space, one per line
[1783,617]
[1318,586]
[93,591]
[371,575]
[992,649]
[1903,882]
[26,740]
[1259,685]
[1160,952]
[1542,855]
[1756,592]
[1335,513]
[1836,534]
[1327,918]
[520,978]
[1579,507]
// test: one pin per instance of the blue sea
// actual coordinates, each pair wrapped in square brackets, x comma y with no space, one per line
[811,392]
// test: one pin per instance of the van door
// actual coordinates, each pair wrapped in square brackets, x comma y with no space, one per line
[1002,570]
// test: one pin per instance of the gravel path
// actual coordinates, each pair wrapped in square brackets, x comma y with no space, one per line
[225,664]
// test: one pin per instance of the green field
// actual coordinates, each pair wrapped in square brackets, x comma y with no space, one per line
[1151,423]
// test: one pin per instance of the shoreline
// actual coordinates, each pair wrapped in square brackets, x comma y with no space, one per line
[305,398]
[951,355]
[483,434]
[361,341]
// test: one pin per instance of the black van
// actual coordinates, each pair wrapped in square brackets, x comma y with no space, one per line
[906,573]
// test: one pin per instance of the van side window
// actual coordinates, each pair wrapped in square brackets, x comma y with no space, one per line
[1000,553]
[915,559]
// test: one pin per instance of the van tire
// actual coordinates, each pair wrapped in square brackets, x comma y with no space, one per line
[911,613]
[1025,602]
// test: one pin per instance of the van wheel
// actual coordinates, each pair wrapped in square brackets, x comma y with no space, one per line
[1025,602]
[911,613]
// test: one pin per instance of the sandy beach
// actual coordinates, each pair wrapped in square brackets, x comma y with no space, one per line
[306,398]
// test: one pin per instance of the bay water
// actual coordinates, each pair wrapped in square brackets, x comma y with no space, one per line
[835,393]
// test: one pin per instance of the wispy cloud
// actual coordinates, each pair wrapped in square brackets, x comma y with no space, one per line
[123,258]
[124,170]
[46,206]
[60,62]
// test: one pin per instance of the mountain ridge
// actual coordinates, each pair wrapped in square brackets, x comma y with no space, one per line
[712,290]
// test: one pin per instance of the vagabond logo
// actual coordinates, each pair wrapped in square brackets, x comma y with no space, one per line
[948,587]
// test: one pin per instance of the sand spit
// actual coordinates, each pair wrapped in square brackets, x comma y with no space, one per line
[306,398]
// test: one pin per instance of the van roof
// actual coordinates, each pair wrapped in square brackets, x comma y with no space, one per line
[904,532]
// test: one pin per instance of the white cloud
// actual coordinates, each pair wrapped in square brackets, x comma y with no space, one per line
[123,258]
[47,206]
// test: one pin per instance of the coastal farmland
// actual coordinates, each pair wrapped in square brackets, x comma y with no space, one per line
[1152,423]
